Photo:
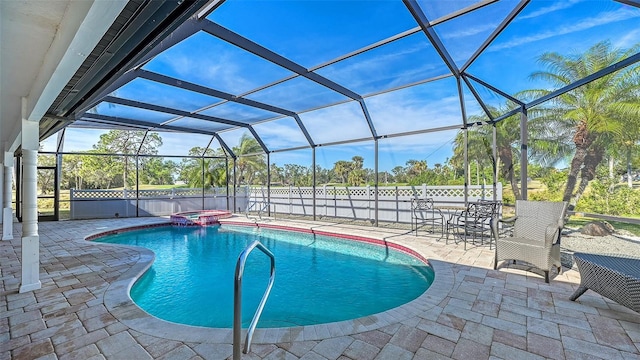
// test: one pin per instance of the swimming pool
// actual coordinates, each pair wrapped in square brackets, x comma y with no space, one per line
[318,279]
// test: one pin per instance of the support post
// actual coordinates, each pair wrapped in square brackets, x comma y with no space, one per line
[203,184]
[524,141]
[494,147]
[226,166]
[397,205]
[466,166]
[375,187]
[137,184]
[466,179]
[268,185]
[2,191]
[235,185]
[30,237]
[7,212]
[8,196]
[313,180]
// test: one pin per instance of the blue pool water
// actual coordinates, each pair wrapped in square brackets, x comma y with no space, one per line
[318,279]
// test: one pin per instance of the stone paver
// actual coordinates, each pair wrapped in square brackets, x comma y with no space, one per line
[470,312]
[467,349]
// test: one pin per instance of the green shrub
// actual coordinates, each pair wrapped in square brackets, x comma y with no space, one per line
[508,197]
[606,198]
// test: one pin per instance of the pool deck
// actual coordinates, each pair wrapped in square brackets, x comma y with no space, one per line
[471,311]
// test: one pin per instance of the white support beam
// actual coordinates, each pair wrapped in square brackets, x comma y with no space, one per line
[2,193]
[7,211]
[82,27]
[30,236]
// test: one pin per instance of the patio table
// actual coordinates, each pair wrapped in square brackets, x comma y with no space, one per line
[452,210]
[614,276]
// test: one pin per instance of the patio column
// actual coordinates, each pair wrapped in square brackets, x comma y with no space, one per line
[7,212]
[2,189]
[30,237]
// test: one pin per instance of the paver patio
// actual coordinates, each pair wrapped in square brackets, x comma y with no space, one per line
[82,310]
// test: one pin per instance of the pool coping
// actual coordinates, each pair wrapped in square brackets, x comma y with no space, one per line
[118,302]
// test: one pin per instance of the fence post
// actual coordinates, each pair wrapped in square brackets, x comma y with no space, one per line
[290,204]
[71,207]
[397,205]
[125,196]
[335,202]
[424,191]
[324,196]
[368,202]
[249,193]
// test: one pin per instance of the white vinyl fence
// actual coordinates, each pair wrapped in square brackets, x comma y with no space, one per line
[358,203]
[93,204]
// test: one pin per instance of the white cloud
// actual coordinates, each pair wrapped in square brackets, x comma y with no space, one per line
[600,19]
[336,123]
[424,143]
[224,72]
[181,143]
[80,140]
[281,134]
[470,31]
[232,138]
[628,40]
[405,111]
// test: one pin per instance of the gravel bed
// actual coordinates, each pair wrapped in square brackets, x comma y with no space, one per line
[620,242]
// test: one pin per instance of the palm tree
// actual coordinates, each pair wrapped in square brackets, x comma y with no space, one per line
[399,173]
[358,162]
[277,174]
[416,167]
[480,141]
[249,161]
[594,114]
[631,135]
[215,172]
[341,169]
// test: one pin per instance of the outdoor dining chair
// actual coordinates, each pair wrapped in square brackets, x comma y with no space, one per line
[423,211]
[476,220]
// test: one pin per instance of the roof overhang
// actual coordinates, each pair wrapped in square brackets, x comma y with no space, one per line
[56,54]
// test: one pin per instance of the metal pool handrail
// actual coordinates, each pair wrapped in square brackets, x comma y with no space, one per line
[237,299]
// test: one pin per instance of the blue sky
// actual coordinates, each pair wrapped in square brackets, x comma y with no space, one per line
[313,32]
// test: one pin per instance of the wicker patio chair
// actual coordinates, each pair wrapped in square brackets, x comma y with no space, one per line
[537,228]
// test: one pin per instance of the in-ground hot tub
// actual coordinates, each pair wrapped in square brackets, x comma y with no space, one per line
[199,217]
